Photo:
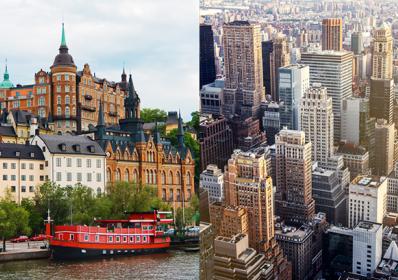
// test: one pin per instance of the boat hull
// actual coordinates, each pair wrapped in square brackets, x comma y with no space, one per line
[76,252]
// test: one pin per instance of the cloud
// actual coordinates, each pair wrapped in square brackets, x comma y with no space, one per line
[158,40]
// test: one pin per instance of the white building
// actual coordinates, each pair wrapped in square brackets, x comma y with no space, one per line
[212,180]
[316,120]
[366,247]
[73,159]
[367,199]
[350,119]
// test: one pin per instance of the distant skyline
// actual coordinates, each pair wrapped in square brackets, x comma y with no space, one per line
[156,40]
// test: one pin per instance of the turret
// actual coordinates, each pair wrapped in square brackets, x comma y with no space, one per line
[180,133]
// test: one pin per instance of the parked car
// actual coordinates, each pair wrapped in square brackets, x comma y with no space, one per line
[40,237]
[21,238]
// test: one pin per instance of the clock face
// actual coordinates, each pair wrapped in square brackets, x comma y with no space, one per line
[108,154]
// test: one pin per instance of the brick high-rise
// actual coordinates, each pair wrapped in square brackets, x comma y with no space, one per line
[293,199]
[332,34]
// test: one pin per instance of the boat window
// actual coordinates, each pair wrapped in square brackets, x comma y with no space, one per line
[124,238]
[144,227]
[61,237]
[144,238]
[137,239]
[117,238]
[86,237]
[110,239]
[97,238]
[131,238]
[71,237]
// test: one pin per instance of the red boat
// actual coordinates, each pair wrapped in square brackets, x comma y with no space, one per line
[140,233]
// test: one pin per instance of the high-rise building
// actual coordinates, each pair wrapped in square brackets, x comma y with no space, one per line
[357,42]
[267,49]
[382,99]
[384,148]
[211,96]
[229,220]
[271,121]
[332,34]
[355,157]
[367,247]
[382,53]
[329,195]
[294,80]
[206,244]
[246,133]
[332,70]
[215,140]
[244,88]
[207,61]
[316,120]
[293,168]
[367,199]
[280,57]
[212,180]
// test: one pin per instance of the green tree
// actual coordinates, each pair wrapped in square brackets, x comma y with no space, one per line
[194,123]
[36,219]
[14,220]
[152,115]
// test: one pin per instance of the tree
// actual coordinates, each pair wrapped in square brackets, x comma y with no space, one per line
[14,220]
[152,115]
[194,123]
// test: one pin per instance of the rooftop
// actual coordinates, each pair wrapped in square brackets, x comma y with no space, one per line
[368,181]
[367,226]
[21,151]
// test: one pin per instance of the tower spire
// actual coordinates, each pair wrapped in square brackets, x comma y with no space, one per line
[63,40]
[180,131]
[101,120]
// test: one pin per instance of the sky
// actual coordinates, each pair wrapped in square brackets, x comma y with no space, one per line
[156,40]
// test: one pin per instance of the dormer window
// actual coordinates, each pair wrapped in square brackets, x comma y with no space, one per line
[77,147]
[32,155]
[91,149]
[62,147]
[17,154]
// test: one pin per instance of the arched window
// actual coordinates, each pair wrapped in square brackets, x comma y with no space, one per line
[117,175]
[42,112]
[147,176]
[59,111]
[163,178]
[178,178]
[170,178]
[67,99]
[188,178]
[42,101]
[151,177]
[59,99]
[98,191]
[108,175]
[126,175]
[135,176]
[155,181]
[67,112]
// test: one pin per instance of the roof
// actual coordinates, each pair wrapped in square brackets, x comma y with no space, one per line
[392,252]
[21,151]
[7,131]
[73,144]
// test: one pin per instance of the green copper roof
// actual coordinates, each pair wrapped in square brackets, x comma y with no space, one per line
[63,41]
[6,83]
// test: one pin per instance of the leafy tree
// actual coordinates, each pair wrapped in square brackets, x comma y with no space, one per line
[152,115]
[14,220]
[194,123]
[36,220]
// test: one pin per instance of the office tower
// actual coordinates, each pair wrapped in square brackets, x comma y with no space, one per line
[204,206]
[207,61]
[293,168]
[234,259]
[329,195]
[355,157]
[367,247]
[271,121]
[367,199]
[229,220]
[316,120]
[215,140]
[206,244]
[336,163]
[246,133]
[382,53]
[280,57]
[357,42]
[248,185]
[332,70]
[392,191]
[382,99]
[212,180]
[244,88]
[267,49]
[332,34]
[384,148]
[211,96]
[294,80]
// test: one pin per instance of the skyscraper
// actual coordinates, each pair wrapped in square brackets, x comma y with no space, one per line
[293,168]
[267,49]
[357,42]
[332,34]
[333,70]
[384,148]
[316,120]
[280,57]
[294,80]
[244,88]
[207,61]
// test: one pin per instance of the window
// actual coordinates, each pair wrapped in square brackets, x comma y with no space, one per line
[42,101]
[98,177]
[67,88]
[117,238]
[58,162]
[59,99]
[144,239]
[96,238]
[98,163]
[31,188]
[67,112]
[31,177]
[66,77]
[5,165]
[88,163]
[131,239]
[89,177]
[42,178]
[71,237]
[13,177]
[58,77]
[58,177]
[13,188]
[69,176]
[137,239]
[5,178]
[68,162]
[23,166]
[79,176]
[23,188]
[23,177]
[86,237]
[79,162]
[67,99]
[59,90]
[124,238]
[31,166]
[110,239]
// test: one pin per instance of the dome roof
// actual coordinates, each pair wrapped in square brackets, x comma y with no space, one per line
[6,83]
[63,58]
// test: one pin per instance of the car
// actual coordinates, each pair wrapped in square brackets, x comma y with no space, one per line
[21,238]
[40,237]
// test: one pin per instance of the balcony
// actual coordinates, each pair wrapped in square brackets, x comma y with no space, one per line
[113,114]
[89,108]
[64,118]
[88,97]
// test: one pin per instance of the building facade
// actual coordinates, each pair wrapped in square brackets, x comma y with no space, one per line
[332,34]
[207,60]
[212,180]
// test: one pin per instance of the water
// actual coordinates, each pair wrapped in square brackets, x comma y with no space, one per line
[170,265]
